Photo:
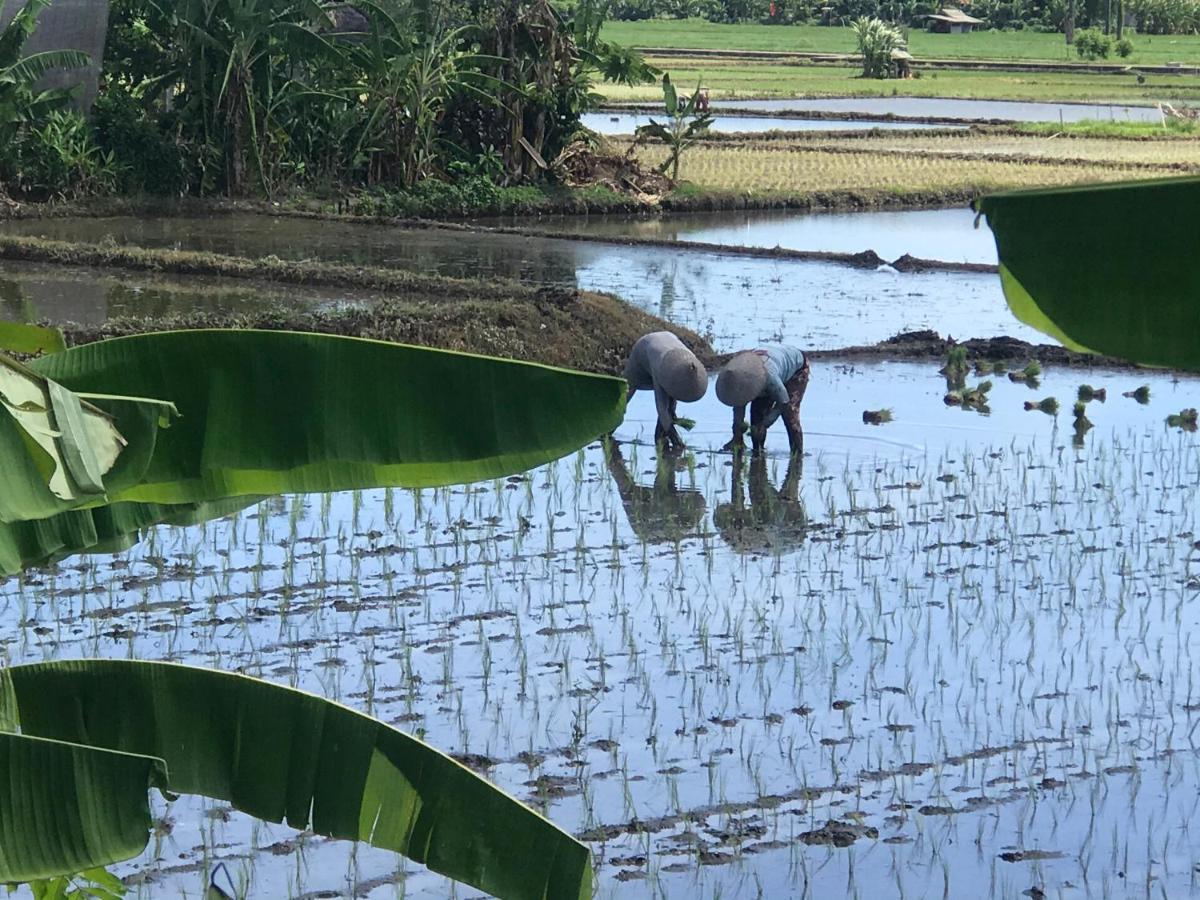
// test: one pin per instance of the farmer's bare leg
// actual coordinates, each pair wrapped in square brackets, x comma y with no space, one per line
[796,386]
[758,425]
[737,442]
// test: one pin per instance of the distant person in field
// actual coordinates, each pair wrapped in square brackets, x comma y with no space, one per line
[661,363]
[771,380]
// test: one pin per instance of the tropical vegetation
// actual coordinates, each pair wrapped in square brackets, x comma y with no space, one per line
[263,97]
[1148,16]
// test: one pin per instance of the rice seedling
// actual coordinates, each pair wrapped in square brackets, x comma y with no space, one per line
[876,416]
[800,166]
[1141,394]
[1184,420]
[1087,394]
[1048,405]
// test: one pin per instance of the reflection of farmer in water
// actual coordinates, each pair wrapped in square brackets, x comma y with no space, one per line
[771,380]
[661,363]
[661,514]
[775,521]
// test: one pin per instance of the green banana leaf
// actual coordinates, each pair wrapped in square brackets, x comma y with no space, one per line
[16,337]
[276,753]
[265,412]
[65,808]
[58,450]
[1108,269]
[100,529]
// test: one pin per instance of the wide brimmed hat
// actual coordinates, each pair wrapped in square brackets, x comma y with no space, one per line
[681,375]
[742,380]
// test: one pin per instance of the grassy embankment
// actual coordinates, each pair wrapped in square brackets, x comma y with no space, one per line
[729,80]
[560,327]
[750,78]
[699,34]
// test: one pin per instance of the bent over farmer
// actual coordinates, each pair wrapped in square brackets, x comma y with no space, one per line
[661,363]
[771,380]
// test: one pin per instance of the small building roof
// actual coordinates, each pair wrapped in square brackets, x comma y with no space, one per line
[955,16]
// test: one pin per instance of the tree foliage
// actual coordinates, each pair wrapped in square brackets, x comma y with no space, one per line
[261,97]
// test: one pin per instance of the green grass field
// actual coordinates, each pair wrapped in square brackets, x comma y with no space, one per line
[729,80]
[702,35]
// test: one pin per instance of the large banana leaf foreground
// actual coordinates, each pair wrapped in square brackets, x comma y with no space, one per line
[1110,269]
[281,412]
[96,735]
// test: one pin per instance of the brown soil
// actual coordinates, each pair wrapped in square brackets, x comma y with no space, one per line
[929,345]
[587,331]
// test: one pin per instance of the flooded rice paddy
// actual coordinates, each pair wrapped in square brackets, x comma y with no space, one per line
[949,235]
[947,656]
[733,298]
[962,640]
[31,292]
[627,123]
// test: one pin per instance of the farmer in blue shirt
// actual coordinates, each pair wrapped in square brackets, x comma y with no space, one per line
[661,363]
[771,380]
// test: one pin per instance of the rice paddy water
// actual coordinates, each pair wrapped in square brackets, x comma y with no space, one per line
[949,655]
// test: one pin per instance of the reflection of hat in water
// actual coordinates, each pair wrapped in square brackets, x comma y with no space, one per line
[742,380]
[681,375]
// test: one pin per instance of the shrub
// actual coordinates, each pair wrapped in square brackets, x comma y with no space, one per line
[59,160]
[1092,44]
[148,160]
[1124,47]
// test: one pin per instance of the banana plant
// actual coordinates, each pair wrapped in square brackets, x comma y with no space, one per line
[687,125]
[20,103]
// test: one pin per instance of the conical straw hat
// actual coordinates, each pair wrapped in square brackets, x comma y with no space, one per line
[681,375]
[742,380]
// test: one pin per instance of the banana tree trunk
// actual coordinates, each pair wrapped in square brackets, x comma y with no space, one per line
[68,25]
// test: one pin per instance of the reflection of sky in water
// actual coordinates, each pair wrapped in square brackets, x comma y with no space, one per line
[942,234]
[1017,624]
[745,300]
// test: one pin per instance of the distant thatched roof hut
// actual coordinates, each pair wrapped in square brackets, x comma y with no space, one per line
[952,21]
